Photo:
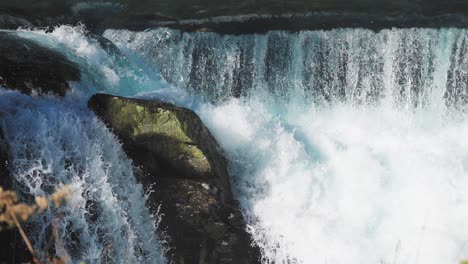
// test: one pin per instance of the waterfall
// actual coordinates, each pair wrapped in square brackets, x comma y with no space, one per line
[409,67]
[344,146]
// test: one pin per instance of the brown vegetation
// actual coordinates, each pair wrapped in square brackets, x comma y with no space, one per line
[13,212]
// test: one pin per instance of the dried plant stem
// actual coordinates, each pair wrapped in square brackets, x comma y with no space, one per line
[23,235]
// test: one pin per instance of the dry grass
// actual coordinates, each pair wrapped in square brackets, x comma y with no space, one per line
[13,213]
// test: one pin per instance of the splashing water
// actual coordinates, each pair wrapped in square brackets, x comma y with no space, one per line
[55,142]
[348,185]
[345,146]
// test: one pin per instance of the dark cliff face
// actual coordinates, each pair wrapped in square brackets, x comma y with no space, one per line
[322,14]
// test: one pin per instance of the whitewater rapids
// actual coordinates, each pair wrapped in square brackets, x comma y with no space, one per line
[345,146]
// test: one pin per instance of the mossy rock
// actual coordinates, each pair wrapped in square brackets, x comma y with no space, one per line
[201,221]
[163,130]
[170,141]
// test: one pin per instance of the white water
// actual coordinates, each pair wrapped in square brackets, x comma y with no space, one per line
[349,185]
[346,146]
[409,67]
[342,147]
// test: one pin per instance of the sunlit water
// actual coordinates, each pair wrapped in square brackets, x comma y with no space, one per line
[345,146]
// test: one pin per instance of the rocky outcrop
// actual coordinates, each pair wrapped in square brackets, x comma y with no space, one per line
[176,151]
[27,66]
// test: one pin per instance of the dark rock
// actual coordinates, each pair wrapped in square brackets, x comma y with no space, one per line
[267,14]
[261,24]
[107,45]
[11,22]
[27,66]
[5,179]
[177,152]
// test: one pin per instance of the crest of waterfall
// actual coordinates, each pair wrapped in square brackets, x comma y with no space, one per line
[407,67]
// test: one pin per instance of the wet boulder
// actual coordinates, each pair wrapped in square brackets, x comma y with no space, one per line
[177,154]
[27,66]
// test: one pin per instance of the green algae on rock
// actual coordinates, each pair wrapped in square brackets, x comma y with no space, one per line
[175,135]
[167,126]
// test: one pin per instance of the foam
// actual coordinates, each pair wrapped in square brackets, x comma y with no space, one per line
[348,185]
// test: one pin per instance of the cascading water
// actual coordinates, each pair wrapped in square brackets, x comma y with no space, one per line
[51,144]
[353,65]
[345,146]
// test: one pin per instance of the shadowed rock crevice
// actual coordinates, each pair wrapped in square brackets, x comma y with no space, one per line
[177,154]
